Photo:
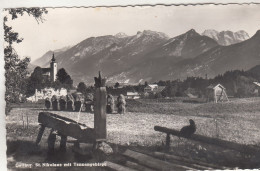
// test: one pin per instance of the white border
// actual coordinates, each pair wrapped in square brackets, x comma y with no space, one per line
[74,3]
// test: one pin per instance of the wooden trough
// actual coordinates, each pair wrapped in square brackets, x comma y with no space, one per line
[213,141]
[65,127]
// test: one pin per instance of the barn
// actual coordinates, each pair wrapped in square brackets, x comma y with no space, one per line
[256,90]
[216,93]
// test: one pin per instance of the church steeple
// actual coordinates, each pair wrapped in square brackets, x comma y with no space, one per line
[53,58]
[53,68]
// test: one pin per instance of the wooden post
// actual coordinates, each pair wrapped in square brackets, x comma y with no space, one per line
[51,142]
[100,109]
[39,137]
[27,126]
[76,144]
[23,121]
[168,139]
[100,114]
[63,142]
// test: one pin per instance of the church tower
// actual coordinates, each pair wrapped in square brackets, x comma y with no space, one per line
[53,67]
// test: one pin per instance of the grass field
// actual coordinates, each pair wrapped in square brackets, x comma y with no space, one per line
[237,121]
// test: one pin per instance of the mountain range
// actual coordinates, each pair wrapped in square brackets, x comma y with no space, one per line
[152,56]
[226,38]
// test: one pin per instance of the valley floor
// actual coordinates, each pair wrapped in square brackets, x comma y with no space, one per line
[237,121]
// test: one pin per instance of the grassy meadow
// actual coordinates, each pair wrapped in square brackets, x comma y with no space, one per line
[237,120]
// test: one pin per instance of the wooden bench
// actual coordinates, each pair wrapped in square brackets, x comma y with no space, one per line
[209,140]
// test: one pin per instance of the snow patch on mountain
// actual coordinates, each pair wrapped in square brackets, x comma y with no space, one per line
[121,35]
[226,38]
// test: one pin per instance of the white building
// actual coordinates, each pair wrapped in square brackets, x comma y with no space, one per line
[132,95]
[150,88]
[47,93]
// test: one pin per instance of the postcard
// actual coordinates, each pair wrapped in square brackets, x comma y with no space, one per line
[142,87]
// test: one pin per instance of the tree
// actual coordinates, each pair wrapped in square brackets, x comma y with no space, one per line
[15,68]
[64,78]
[37,81]
[82,87]
[117,84]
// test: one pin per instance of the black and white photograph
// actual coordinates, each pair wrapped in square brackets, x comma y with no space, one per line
[139,87]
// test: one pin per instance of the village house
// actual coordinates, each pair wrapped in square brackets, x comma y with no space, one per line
[133,95]
[150,88]
[47,93]
[153,88]
[216,93]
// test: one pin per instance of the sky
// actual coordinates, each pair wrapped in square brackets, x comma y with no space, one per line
[69,26]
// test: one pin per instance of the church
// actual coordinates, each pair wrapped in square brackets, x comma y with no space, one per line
[52,71]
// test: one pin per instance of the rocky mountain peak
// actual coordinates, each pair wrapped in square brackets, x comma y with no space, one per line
[152,33]
[257,34]
[139,32]
[226,37]
[242,32]
[210,31]
[192,33]
[121,35]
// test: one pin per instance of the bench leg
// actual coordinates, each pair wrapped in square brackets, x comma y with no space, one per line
[76,144]
[51,142]
[96,145]
[168,140]
[63,142]
[39,137]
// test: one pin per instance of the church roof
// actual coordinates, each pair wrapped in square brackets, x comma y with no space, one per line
[45,70]
[53,58]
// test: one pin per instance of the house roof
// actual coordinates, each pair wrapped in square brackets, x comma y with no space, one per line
[161,88]
[257,83]
[152,86]
[213,86]
[132,94]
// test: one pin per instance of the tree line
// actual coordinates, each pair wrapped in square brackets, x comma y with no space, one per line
[238,83]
